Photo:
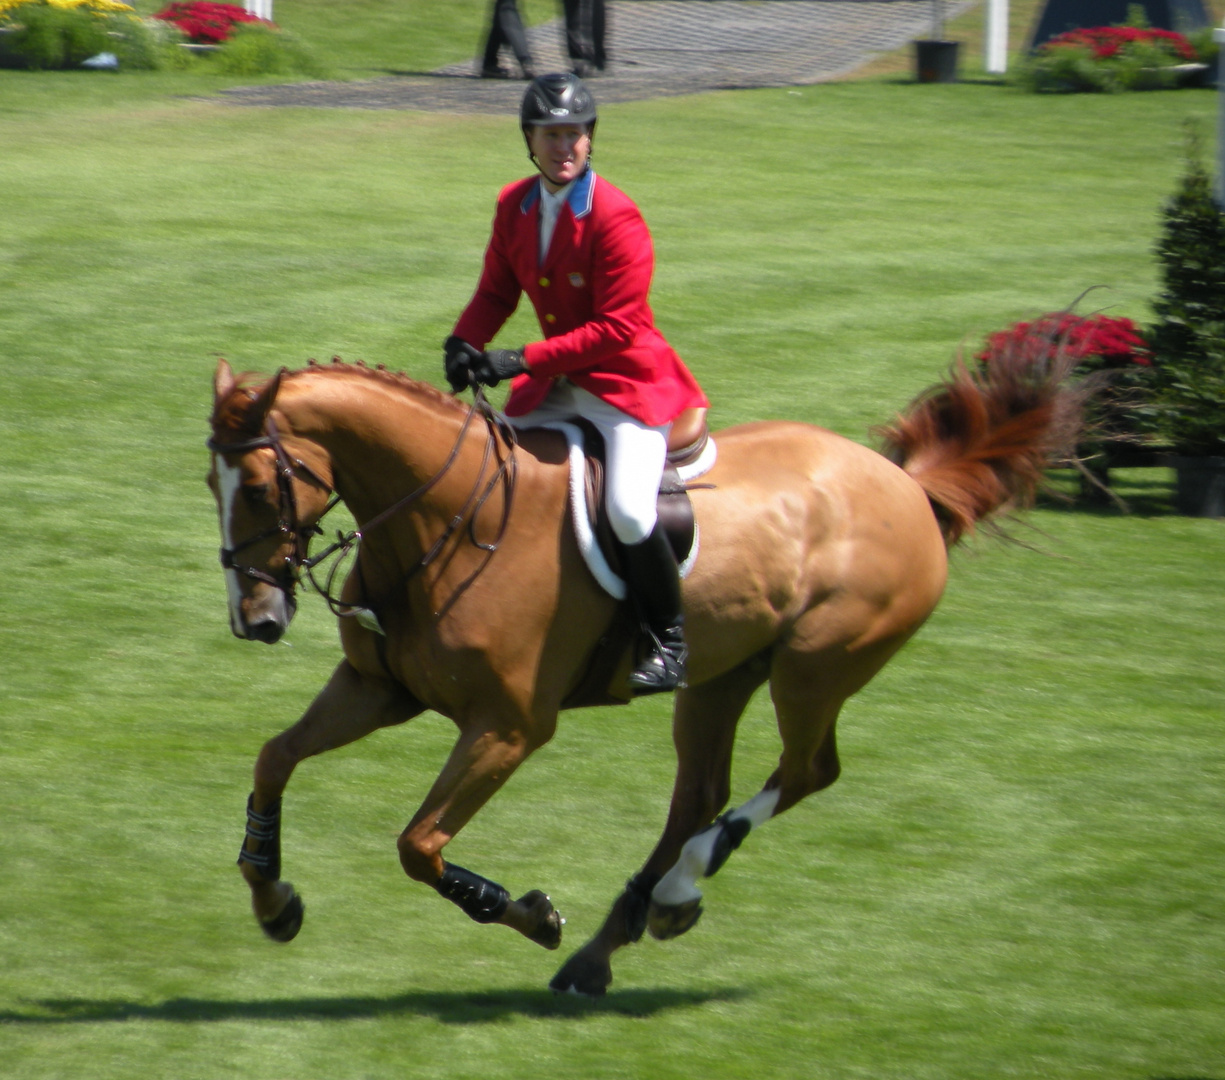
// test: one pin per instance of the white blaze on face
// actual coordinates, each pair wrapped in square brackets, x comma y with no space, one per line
[229,481]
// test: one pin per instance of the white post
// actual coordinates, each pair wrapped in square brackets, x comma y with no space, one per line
[261,9]
[1219,37]
[995,37]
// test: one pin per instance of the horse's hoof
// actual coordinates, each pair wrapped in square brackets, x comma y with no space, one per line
[549,920]
[580,975]
[286,925]
[671,920]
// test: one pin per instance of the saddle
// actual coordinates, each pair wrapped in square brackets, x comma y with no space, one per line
[688,442]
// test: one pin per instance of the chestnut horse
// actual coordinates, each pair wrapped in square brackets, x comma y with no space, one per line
[468,595]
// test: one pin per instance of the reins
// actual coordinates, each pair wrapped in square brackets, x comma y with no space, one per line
[505,473]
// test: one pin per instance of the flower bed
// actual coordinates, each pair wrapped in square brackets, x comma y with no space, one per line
[49,34]
[1096,342]
[1114,58]
[206,23]
[1106,42]
[41,34]
[8,8]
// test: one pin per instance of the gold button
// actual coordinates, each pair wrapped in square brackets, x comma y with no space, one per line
[544,282]
[550,318]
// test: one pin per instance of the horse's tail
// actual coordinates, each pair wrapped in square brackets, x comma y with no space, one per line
[980,441]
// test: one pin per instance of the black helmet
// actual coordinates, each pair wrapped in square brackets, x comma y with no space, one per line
[557,99]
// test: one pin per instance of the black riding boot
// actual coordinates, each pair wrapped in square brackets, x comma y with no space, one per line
[655,590]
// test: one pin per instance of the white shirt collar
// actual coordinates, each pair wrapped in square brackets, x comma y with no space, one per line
[551,203]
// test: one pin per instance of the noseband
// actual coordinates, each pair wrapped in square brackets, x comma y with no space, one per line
[288,524]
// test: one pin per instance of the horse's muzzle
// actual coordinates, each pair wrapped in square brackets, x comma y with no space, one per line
[267,620]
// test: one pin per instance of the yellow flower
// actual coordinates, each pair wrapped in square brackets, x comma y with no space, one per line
[93,5]
[8,8]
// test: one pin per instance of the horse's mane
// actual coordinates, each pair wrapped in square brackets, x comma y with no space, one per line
[230,413]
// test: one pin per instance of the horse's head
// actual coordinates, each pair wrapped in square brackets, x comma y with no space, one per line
[268,501]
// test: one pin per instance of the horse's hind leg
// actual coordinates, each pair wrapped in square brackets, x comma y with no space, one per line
[808,688]
[703,731]
[348,708]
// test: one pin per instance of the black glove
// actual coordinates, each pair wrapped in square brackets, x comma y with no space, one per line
[498,364]
[458,359]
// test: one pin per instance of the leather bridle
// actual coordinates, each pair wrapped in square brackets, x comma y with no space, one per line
[289,525]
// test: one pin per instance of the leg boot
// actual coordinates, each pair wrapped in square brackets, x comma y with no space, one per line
[655,590]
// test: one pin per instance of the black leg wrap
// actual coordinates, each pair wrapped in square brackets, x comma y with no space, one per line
[265,830]
[732,832]
[479,898]
[635,902]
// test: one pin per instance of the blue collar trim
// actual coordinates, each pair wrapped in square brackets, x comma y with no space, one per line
[580,198]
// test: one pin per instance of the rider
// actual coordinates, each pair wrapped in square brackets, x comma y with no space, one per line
[581,251]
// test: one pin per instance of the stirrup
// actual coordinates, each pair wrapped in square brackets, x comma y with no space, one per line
[663,668]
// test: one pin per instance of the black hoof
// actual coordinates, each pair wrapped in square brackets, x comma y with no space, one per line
[581,975]
[548,932]
[286,925]
[666,921]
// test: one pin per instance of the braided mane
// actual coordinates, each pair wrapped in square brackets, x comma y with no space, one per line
[230,414]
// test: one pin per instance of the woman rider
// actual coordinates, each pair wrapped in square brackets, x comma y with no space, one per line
[581,251]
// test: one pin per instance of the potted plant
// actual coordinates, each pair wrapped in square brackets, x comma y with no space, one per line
[936,58]
[1188,339]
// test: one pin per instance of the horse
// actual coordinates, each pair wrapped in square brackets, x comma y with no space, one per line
[467,594]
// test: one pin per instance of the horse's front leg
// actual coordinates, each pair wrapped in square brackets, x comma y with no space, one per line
[481,762]
[349,707]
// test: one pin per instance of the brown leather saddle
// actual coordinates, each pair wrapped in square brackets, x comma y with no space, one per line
[686,442]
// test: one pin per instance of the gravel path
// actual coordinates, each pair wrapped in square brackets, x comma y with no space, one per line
[657,48]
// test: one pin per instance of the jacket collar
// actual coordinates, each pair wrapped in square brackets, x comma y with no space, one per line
[579,199]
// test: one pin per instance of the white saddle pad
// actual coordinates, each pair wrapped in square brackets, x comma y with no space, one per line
[610,582]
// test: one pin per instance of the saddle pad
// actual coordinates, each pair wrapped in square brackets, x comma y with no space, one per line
[611,582]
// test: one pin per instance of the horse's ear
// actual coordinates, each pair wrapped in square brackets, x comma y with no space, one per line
[261,404]
[223,382]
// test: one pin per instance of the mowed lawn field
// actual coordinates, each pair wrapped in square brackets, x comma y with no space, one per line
[1021,872]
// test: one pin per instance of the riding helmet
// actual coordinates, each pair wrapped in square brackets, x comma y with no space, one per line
[560,98]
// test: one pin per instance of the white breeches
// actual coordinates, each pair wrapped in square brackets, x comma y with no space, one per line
[634,455]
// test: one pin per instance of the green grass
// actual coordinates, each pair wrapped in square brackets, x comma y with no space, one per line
[1019,874]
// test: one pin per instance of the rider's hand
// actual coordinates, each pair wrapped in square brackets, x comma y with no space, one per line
[458,360]
[498,364]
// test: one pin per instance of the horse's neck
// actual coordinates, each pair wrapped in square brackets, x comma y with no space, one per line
[383,440]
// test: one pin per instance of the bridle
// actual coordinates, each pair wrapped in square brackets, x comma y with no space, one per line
[290,526]
[287,524]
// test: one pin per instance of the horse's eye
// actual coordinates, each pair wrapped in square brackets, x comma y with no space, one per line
[255,494]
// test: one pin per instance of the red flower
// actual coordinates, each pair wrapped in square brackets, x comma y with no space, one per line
[1107,41]
[205,22]
[1095,341]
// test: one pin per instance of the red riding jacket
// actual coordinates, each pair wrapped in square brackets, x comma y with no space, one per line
[590,295]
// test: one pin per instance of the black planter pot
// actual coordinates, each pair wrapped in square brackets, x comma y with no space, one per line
[1200,490]
[936,61]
